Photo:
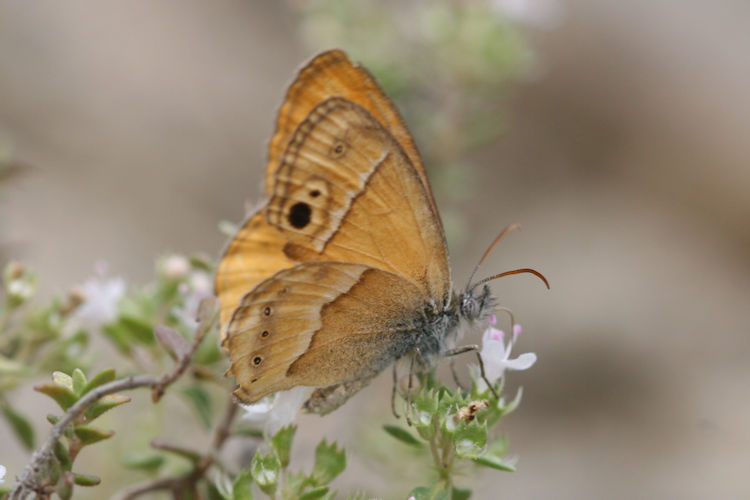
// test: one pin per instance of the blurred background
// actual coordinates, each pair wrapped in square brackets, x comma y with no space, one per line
[616,133]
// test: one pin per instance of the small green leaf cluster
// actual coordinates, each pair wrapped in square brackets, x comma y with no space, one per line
[270,472]
[66,390]
[453,429]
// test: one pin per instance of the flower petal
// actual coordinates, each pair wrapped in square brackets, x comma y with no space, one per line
[522,362]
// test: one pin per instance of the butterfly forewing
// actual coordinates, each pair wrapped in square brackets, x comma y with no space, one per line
[346,191]
[332,74]
[254,254]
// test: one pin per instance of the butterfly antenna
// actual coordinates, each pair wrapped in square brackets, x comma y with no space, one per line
[489,251]
[515,271]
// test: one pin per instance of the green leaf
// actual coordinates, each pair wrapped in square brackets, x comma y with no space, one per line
[265,470]
[90,435]
[62,395]
[21,426]
[424,406]
[201,262]
[62,455]
[79,381]
[425,493]
[469,439]
[460,494]
[510,407]
[12,367]
[65,486]
[54,472]
[86,479]
[282,444]
[63,380]
[494,463]
[191,455]
[402,435]
[201,403]
[104,404]
[138,329]
[329,463]
[222,485]
[242,489]
[148,461]
[249,432]
[101,378]
[119,336]
[314,493]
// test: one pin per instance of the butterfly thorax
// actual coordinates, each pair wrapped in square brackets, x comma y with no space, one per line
[436,332]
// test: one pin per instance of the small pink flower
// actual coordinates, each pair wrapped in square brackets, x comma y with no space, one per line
[496,355]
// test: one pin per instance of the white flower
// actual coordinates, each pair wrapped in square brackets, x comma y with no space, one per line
[21,290]
[197,288]
[101,298]
[2,473]
[496,355]
[175,267]
[277,410]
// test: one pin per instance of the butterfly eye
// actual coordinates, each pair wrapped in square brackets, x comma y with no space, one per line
[257,360]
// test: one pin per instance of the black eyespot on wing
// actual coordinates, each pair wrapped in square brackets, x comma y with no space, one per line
[257,360]
[265,333]
[267,311]
[315,193]
[338,149]
[299,215]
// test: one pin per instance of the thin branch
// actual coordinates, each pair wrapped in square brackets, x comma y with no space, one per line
[29,482]
[189,480]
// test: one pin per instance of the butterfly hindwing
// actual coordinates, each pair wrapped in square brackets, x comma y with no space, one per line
[318,324]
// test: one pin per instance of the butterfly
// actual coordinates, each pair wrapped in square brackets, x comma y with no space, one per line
[344,269]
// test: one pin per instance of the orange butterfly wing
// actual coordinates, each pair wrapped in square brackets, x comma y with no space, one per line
[254,254]
[347,188]
[332,74]
[318,324]
[327,75]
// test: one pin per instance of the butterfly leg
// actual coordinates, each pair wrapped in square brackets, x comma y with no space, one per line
[393,392]
[475,348]
[408,389]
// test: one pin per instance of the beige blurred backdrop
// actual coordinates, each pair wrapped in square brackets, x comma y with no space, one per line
[626,161]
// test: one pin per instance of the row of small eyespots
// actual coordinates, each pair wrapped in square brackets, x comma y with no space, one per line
[266,312]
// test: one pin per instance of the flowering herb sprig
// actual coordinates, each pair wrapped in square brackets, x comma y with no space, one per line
[455,426]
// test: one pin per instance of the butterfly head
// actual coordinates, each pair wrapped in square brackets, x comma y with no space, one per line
[473,306]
